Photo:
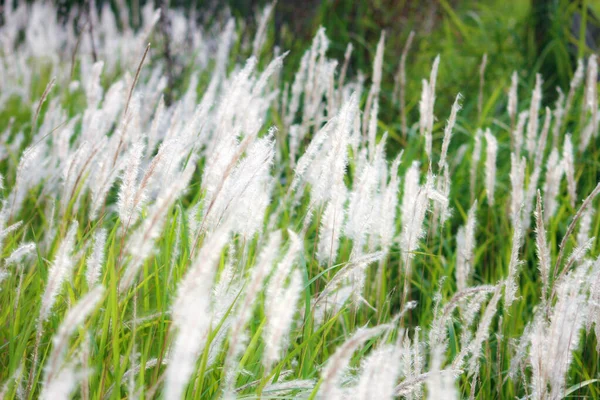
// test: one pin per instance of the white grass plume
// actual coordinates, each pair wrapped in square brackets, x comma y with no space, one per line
[511,283]
[448,130]
[62,385]
[96,258]
[426,106]
[569,168]
[583,235]
[542,140]
[534,109]
[475,157]
[30,159]
[193,296]
[379,373]
[59,271]
[389,207]
[559,114]
[512,105]
[483,332]
[542,248]
[259,37]
[237,336]
[21,252]
[440,383]
[517,133]
[490,165]
[339,361]
[591,99]
[74,317]
[438,334]
[331,229]
[465,244]
[334,166]
[360,207]
[353,269]
[575,83]
[281,301]
[126,204]
[282,309]
[141,242]
[554,174]
[517,197]
[415,203]
[553,341]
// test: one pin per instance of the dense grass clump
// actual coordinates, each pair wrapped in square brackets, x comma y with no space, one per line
[181,220]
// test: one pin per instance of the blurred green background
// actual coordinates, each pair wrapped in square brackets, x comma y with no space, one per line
[528,36]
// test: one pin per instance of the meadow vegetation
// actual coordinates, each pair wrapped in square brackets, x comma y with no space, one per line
[189,211]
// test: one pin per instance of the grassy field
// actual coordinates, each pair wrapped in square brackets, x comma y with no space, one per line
[245,207]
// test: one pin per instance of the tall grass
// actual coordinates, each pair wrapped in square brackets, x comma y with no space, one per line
[256,238]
